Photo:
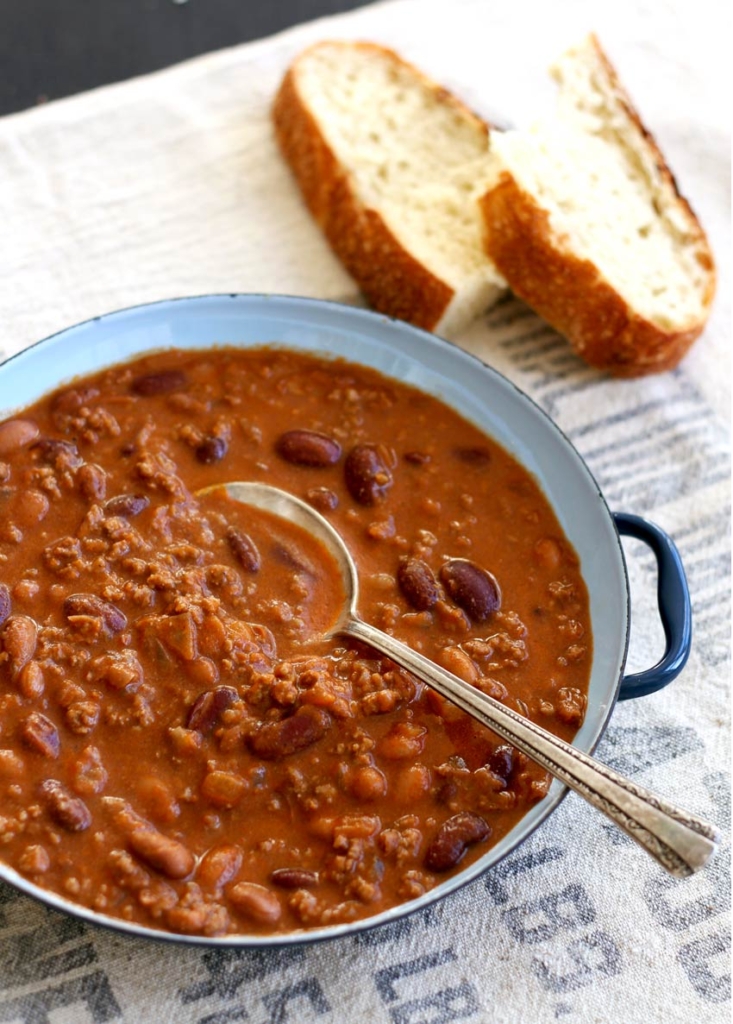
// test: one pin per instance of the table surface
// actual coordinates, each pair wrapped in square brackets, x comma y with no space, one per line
[54,48]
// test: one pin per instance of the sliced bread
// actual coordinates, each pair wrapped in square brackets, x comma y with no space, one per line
[584,220]
[391,166]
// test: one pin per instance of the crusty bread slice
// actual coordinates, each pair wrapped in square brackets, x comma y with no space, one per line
[391,166]
[585,222]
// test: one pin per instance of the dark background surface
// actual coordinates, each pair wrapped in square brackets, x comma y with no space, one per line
[54,48]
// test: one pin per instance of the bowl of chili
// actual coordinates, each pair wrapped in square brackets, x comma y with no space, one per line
[180,756]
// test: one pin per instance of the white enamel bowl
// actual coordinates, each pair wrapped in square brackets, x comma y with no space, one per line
[417,358]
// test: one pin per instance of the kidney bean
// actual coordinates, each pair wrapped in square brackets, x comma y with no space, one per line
[92,482]
[160,383]
[166,855]
[71,400]
[294,878]
[219,865]
[40,734]
[417,458]
[61,454]
[256,902]
[211,449]
[308,448]
[112,618]
[208,707]
[291,558]
[477,457]
[274,740]
[418,584]
[19,639]
[15,434]
[452,839]
[70,812]
[244,549]
[126,505]
[322,499]
[367,474]
[501,761]
[472,588]
[5,604]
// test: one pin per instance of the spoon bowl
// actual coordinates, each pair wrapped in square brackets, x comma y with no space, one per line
[680,842]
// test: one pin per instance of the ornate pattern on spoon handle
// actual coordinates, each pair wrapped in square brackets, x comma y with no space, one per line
[679,841]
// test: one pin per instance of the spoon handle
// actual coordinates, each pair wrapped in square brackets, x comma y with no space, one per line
[680,842]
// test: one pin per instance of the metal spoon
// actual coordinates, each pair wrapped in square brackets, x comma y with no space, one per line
[680,842]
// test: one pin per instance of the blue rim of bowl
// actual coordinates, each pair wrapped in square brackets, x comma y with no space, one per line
[520,833]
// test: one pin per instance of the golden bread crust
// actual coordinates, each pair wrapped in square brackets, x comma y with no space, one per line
[570,292]
[393,281]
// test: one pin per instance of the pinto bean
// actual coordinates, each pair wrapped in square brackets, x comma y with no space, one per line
[453,838]
[161,382]
[208,707]
[5,603]
[31,681]
[368,783]
[15,434]
[308,448]
[275,740]
[404,740]
[412,784]
[294,878]
[219,865]
[367,474]
[256,902]
[113,620]
[223,789]
[418,584]
[472,588]
[70,812]
[19,639]
[211,449]
[459,663]
[161,852]
[40,734]
[244,549]
[322,499]
[126,505]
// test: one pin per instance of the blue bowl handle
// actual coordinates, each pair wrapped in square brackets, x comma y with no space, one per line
[673,599]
